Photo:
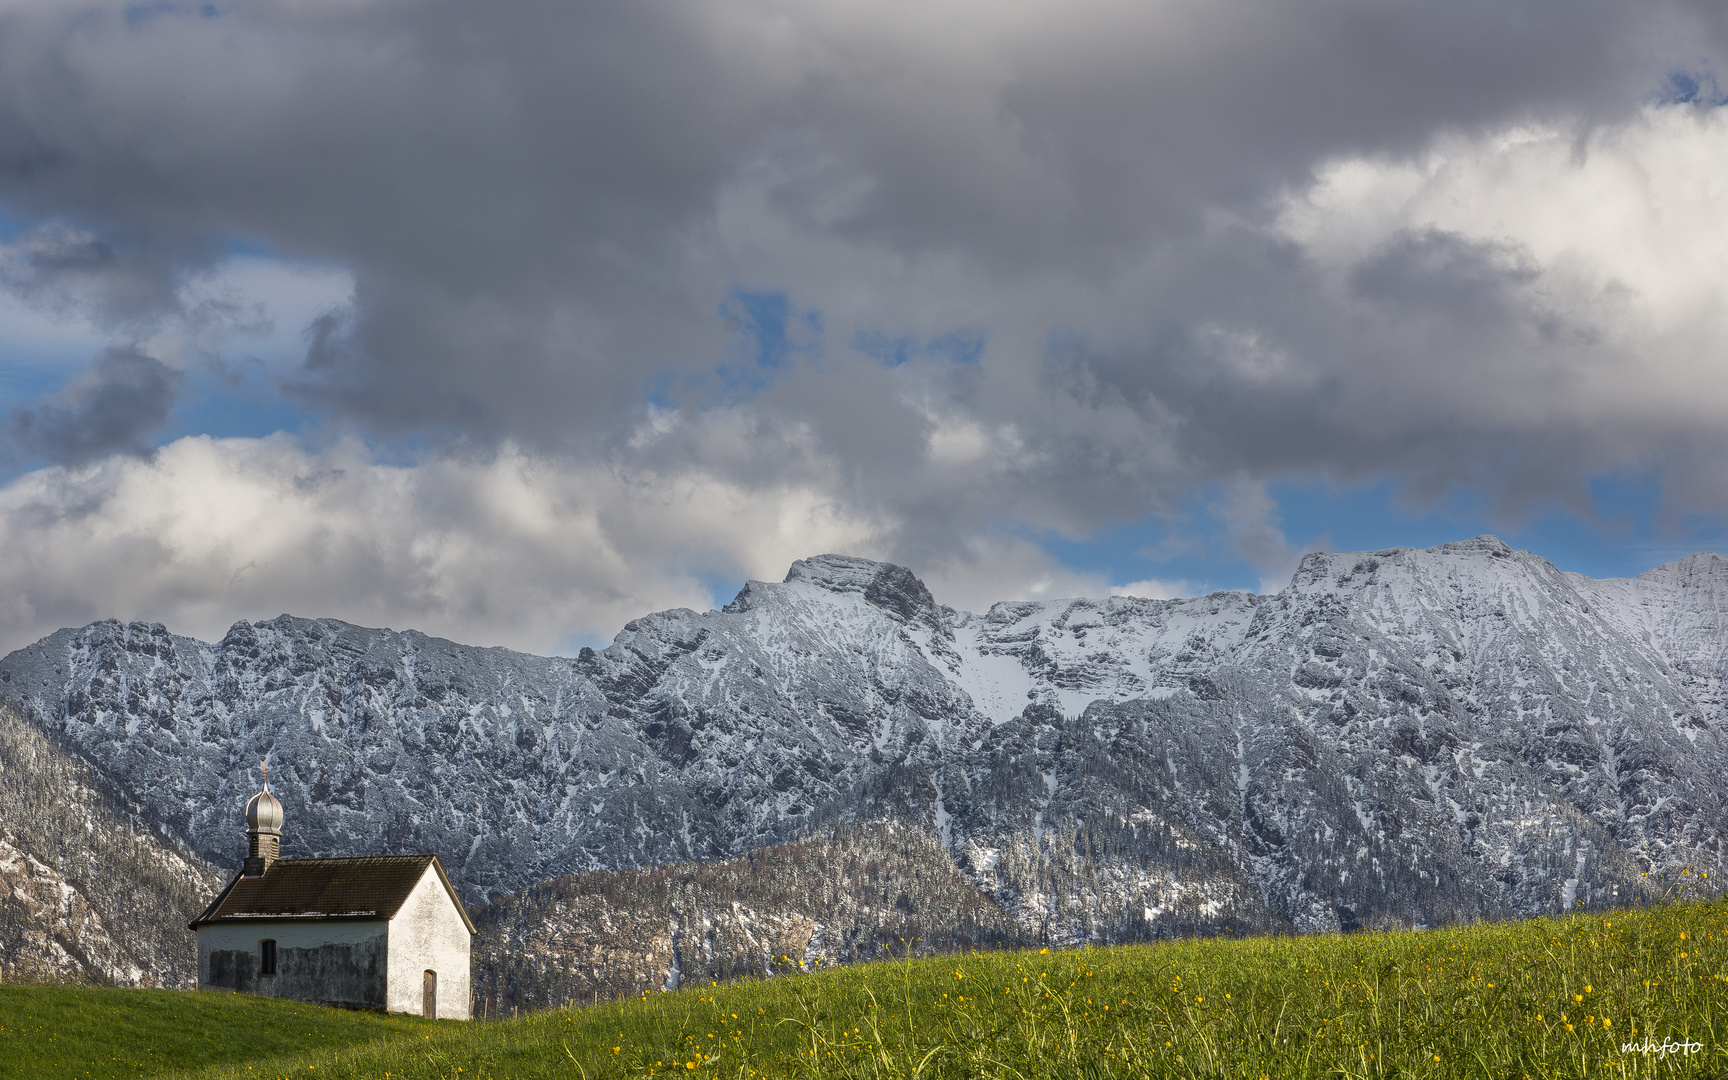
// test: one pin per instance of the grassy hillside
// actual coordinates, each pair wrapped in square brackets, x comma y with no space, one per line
[1545,998]
[101,1033]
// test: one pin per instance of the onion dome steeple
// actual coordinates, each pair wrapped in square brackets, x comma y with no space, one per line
[263,829]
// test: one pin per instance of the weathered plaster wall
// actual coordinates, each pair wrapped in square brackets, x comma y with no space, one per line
[340,963]
[429,933]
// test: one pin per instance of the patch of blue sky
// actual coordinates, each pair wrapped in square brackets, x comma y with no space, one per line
[40,351]
[29,372]
[235,400]
[238,247]
[771,334]
[241,327]
[1626,532]
[661,389]
[136,14]
[20,383]
[962,347]
[723,587]
[1180,547]
[220,403]
[768,337]
[1700,87]
[885,350]
[141,13]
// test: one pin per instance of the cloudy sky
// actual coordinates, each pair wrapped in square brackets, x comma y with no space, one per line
[513,321]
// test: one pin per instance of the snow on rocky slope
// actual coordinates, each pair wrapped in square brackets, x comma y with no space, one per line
[89,890]
[1398,736]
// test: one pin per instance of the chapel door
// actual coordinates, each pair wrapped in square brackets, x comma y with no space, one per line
[429,1002]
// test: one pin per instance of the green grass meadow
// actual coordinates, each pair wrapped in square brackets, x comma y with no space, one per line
[1635,993]
[68,1031]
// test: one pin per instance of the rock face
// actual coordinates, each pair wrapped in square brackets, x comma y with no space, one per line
[89,891]
[1398,737]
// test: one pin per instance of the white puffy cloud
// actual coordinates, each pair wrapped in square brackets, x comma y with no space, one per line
[513,549]
[1600,253]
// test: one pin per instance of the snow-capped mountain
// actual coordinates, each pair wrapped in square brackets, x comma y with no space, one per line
[1401,735]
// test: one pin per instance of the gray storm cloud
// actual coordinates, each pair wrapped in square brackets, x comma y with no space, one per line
[113,408]
[1186,242]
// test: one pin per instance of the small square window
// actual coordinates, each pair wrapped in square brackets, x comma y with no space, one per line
[267,957]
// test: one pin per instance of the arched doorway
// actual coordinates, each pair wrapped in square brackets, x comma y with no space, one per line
[429,1002]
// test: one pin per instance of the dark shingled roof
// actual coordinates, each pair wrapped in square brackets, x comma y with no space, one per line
[370,887]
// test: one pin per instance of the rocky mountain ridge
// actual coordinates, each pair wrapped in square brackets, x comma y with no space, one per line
[1398,737]
[90,890]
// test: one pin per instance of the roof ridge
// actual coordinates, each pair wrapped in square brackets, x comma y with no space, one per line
[351,887]
[354,858]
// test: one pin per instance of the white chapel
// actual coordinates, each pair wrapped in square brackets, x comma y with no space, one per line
[383,932]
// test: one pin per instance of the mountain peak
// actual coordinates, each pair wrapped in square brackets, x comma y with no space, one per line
[1336,569]
[839,573]
[1705,561]
[1486,544]
[1705,569]
[894,589]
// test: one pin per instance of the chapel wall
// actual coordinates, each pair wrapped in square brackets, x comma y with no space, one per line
[343,964]
[428,934]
